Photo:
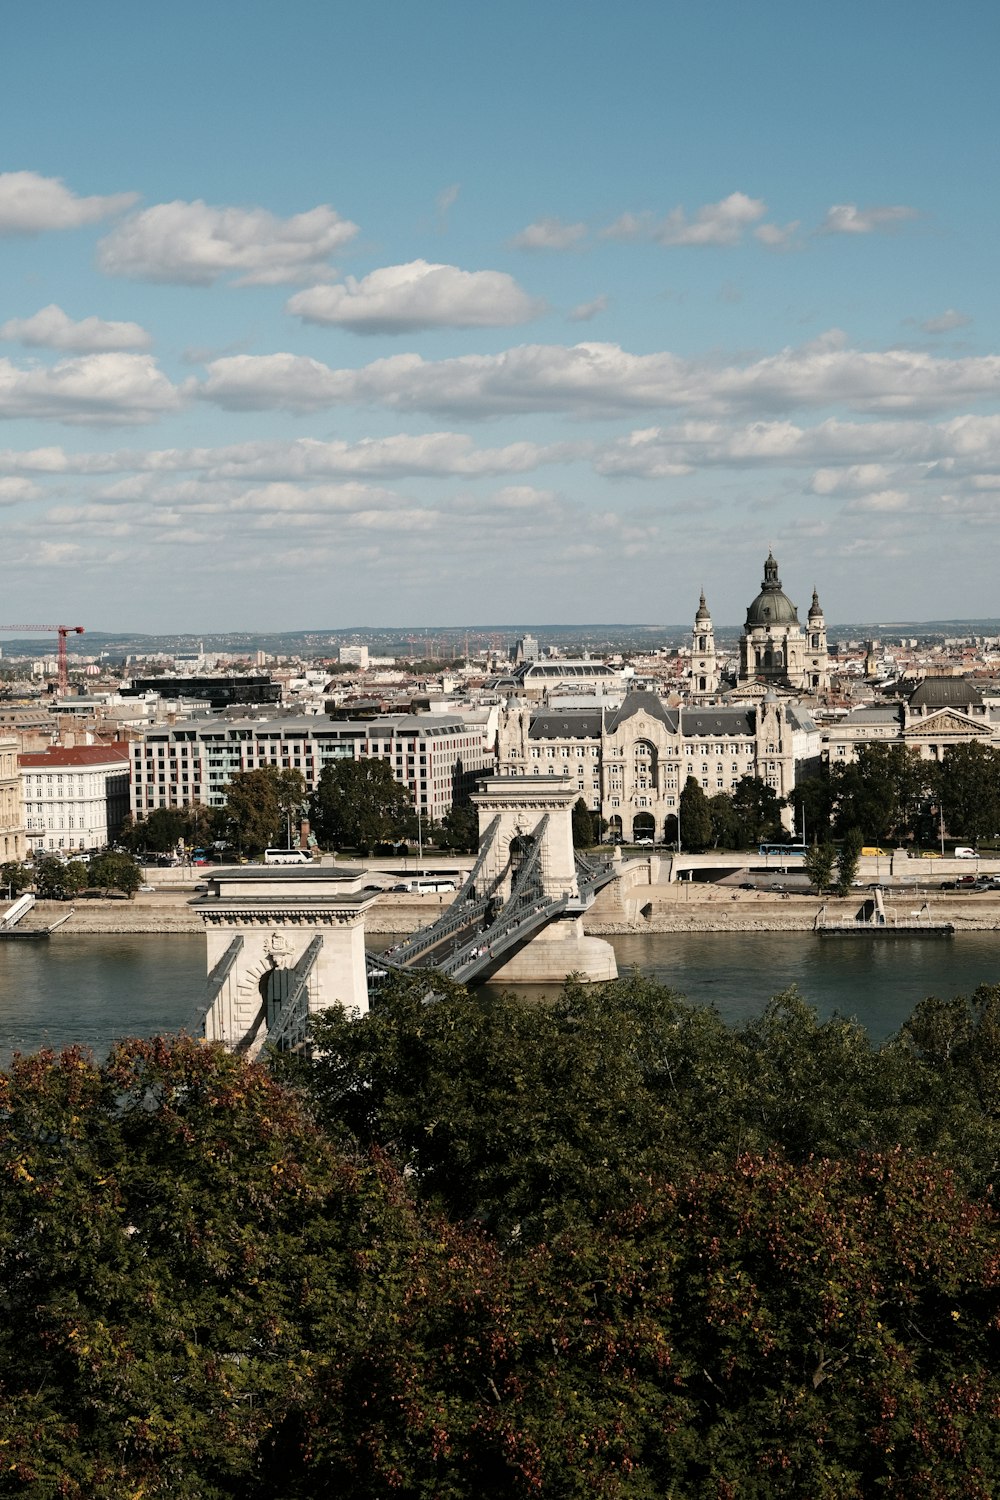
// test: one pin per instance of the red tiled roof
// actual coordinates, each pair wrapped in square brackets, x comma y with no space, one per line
[77,755]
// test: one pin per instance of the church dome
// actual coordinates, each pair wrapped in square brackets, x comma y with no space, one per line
[771,606]
[815,608]
[703,613]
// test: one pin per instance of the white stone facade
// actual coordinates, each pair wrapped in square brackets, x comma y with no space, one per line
[74,799]
[12,842]
[630,764]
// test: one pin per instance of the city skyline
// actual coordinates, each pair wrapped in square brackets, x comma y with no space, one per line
[387,315]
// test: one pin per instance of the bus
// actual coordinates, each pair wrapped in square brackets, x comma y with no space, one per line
[427,887]
[287,857]
[787,851]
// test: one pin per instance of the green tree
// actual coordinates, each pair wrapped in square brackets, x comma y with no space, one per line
[726,826]
[695,819]
[818,864]
[459,829]
[118,872]
[848,860]
[584,836]
[261,803]
[757,807]
[968,790]
[56,881]
[358,804]
[15,877]
[812,801]
[882,792]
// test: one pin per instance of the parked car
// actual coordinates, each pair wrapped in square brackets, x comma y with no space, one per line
[643,843]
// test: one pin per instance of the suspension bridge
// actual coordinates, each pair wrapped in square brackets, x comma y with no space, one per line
[285,943]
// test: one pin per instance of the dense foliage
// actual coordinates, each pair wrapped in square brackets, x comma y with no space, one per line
[358,804]
[262,806]
[607,1247]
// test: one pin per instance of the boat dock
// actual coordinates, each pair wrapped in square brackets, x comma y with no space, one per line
[872,920]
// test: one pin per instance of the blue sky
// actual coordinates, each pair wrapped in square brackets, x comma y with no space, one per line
[318,315]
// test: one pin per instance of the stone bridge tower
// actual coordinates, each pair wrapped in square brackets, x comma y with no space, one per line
[521,803]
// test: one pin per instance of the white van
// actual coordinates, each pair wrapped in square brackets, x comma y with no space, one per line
[287,857]
[964,853]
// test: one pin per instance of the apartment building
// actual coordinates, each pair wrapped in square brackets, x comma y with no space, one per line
[74,799]
[12,846]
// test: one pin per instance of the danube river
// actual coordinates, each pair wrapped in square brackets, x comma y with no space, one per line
[92,989]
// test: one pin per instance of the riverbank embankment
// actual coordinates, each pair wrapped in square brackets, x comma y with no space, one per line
[679,907]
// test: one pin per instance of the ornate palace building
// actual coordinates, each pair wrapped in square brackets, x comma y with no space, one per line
[630,763]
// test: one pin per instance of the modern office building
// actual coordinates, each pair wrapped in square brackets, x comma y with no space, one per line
[437,757]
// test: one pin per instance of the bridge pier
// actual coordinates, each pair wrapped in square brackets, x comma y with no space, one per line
[525,810]
[280,940]
[561,949]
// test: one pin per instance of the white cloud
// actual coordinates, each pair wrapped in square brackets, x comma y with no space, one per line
[599,379]
[30,204]
[584,311]
[98,389]
[445,202]
[721,223]
[51,328]
[403,299]
[13,491]
[847,218]
[946,322]
[778,236]
[855,455]
[420,455]
[549,234]
[629,227]
[196,243]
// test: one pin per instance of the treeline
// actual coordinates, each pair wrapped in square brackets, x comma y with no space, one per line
[357,804]
[610,1247]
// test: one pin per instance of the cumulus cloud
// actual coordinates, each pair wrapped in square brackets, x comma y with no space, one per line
[722,223]
[778,236]
[51,328]
[13,491]
[946,322]
[584,311]
[599,379]
[419,295]
[855,455]
[94,389]
[848,218]
[196,243]
[549,234]
[30,204]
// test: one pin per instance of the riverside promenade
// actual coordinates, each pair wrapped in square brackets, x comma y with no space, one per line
[677,907]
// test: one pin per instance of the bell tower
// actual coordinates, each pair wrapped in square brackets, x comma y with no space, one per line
[704,663]
[816,662]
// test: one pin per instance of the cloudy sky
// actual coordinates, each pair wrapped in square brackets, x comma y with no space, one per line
[320,315]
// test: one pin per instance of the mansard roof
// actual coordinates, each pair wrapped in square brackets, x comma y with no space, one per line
[566,724]
[946,692]
[641,702]
[708,723]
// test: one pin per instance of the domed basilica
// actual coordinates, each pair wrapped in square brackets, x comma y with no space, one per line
[776,650]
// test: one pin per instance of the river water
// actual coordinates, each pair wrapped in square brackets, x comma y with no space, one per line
[91,989]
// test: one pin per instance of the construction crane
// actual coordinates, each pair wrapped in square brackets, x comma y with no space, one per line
[63,631]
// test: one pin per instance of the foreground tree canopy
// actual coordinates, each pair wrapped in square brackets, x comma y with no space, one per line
[609,1247]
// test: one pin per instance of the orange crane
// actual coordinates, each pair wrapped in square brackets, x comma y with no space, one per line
[63,631]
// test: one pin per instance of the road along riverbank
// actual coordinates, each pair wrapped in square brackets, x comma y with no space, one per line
[680,907]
